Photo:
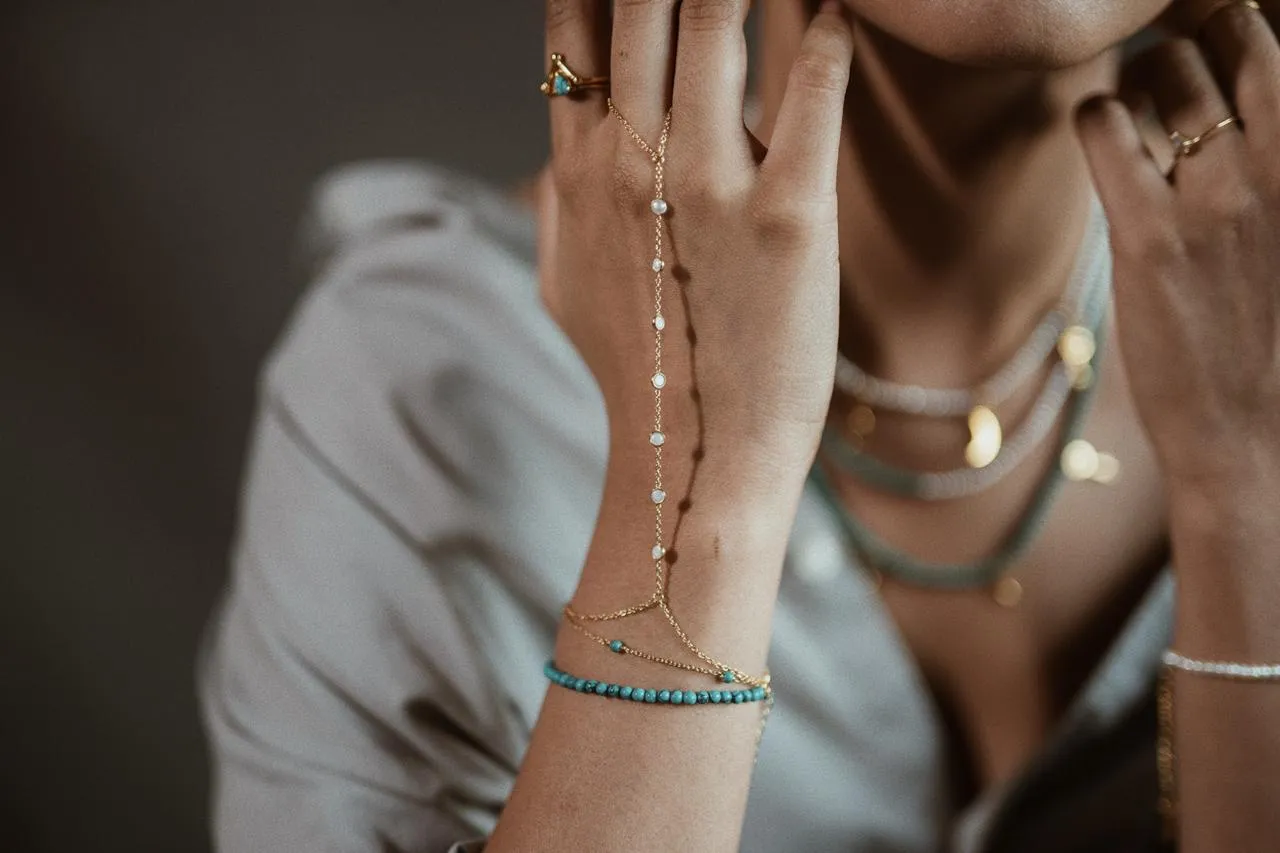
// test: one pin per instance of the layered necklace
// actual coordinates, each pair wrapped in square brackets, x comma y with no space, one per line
[1070,336]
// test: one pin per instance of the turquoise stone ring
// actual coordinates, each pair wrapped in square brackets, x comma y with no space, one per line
[561,80]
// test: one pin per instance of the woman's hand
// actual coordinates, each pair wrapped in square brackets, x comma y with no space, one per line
[1197,254]
[1197,291]
[751,267]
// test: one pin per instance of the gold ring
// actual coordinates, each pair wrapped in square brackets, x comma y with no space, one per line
[1185,146]
[562,80]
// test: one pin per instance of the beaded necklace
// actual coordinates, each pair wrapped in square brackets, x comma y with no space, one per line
[884,560]
[1093,285]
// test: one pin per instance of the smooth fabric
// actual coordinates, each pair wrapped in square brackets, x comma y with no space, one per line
[423,482]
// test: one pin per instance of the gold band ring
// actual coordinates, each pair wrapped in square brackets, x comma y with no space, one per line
[1185,146]
[562,80]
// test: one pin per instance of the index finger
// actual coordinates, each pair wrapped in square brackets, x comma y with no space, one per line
[805,143]
[579,31]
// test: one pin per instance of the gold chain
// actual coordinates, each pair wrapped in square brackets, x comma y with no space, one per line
[579,621]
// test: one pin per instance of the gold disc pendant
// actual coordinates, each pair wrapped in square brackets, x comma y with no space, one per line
[861,422]
[1007,593]
[986,437]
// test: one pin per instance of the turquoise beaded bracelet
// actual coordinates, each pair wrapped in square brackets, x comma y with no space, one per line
[654,697]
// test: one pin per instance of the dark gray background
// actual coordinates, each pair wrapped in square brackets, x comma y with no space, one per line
[154,159]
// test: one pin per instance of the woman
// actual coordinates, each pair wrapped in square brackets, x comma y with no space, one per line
[965,649]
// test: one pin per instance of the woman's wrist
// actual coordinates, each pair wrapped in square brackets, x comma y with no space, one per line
[726,527]
[1226,550]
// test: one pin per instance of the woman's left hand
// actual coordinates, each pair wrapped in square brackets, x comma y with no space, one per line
[1197,253]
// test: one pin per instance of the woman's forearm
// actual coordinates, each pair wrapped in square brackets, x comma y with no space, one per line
[1227,733]
[603,774]
[702,291]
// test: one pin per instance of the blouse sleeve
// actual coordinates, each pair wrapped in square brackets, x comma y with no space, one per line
[350,678]
[336,725]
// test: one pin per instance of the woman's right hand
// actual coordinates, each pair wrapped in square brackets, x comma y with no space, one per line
[751,292]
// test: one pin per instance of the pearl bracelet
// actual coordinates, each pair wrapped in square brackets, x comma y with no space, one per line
[1222,669]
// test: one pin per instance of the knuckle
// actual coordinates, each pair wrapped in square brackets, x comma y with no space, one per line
[1158,249]
[787,221]
[563,13]
[705,197]
[1104,115]
[820,70]
[1232,204]
[1229,208]
[1179,51]
[628,185]
[638,10]
[571,181]
[711,14]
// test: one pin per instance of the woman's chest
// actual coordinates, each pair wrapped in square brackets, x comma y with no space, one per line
[1003,664]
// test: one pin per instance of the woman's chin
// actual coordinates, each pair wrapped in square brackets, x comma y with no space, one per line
[1023,34]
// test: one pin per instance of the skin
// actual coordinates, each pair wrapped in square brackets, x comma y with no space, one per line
[988,116]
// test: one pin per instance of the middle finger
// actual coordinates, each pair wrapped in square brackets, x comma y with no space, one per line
[644,33]
[711,64]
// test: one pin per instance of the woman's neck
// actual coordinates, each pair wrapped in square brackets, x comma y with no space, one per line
[963,199]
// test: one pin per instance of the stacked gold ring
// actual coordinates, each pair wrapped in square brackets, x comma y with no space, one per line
[561,80]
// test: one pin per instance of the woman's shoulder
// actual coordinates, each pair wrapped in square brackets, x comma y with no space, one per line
[422,319]
[353,203]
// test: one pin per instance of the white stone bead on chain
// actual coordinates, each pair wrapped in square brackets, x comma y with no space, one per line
[952,402]
[659,207]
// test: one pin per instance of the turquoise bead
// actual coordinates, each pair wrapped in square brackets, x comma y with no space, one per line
[755,693]
[559,85]
[616,646]
[726,677]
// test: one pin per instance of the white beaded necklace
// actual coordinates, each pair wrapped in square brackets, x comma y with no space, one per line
[910,399]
